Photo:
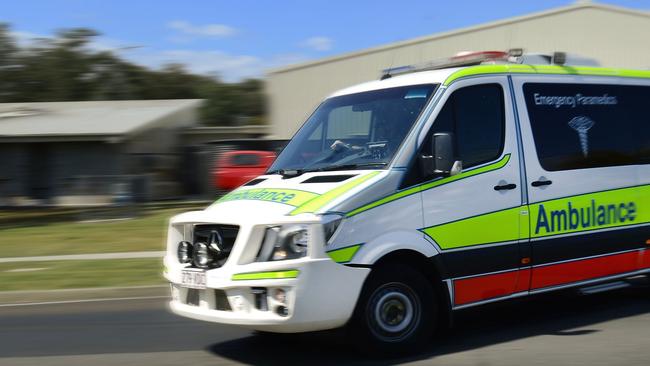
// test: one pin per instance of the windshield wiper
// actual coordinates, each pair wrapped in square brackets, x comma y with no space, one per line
[287,173]
[346,167]
[290,173]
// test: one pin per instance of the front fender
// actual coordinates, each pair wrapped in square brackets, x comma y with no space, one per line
[372,251]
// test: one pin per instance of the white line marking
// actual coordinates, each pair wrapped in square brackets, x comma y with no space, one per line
[104,220]
[93,256]
[83,289]
[26,270]
[83,301]
[490,273]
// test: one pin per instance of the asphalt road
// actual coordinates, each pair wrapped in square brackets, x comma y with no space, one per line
[565,329]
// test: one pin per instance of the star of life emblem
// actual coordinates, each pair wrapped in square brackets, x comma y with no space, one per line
[581,125]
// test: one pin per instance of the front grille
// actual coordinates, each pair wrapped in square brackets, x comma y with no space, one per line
[193,297]
[219,238]
[221,301]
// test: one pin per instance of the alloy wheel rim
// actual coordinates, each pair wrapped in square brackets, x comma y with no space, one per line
[394,312]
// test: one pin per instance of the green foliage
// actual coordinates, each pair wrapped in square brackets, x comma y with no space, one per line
[65,68]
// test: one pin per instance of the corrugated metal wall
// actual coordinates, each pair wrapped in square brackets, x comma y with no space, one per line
[614,36]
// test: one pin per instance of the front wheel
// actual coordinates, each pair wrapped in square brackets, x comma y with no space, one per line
[396,312]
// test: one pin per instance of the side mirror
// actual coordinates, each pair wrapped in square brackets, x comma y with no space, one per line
[442,162]
[443,152]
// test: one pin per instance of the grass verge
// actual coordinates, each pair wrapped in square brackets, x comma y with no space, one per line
[143,233]
[80,274]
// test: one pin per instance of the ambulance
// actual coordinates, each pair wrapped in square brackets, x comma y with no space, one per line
[438,187]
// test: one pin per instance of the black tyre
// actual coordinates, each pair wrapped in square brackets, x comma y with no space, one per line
[396,312]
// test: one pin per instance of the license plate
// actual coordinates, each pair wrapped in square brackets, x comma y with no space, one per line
[193,279]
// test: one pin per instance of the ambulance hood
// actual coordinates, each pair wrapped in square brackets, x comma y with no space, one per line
[273,195]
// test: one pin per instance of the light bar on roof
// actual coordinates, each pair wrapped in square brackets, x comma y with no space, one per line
[460,59]
[513,55]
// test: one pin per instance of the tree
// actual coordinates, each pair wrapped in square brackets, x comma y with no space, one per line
[66,68]
[8,51]
[7,46]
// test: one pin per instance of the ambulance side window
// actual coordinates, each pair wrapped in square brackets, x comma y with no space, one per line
[475,115]
[477,121]
[580,126]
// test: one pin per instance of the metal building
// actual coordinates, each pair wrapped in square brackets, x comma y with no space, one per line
[89,152]
[615,36]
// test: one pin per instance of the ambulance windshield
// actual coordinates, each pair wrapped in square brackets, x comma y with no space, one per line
[355,131]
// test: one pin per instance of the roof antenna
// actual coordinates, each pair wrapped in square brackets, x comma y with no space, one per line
[387,75]
[559,58]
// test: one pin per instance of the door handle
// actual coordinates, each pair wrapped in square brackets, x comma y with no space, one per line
[539,183]
[503,187]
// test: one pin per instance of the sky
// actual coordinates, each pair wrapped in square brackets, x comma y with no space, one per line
[238,39]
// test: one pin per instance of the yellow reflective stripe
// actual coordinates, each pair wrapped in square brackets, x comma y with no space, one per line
[292,197]
[423,187]
[344,255]
[591,211]
[524,222]
[544,69]
[493,227]
[319,202]
[271,275]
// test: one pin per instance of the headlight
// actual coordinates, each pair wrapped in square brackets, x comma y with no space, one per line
[201,255]
[184,252]
[331,223]
[298,240]
[284,242]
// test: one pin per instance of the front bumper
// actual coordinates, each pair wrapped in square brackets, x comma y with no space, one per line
[322,295]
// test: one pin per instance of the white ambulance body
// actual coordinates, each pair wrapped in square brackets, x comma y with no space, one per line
[403,199]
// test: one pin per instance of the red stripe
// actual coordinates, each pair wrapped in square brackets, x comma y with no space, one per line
[586,269]
[523,282]
[491,286]
[484,287]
